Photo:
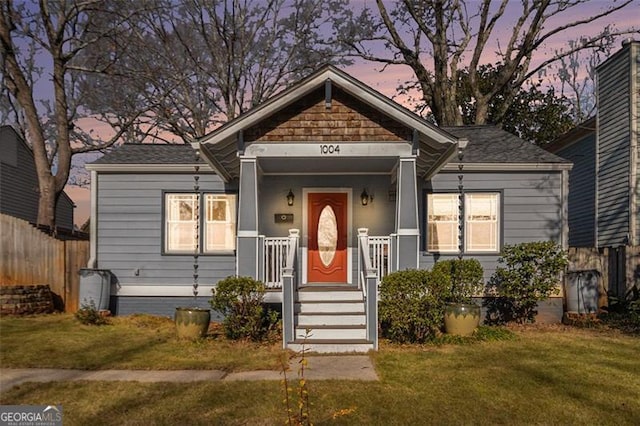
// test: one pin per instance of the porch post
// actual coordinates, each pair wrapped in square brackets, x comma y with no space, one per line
[247,247]
[407,229]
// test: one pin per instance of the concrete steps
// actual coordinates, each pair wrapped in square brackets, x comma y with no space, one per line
[330,320]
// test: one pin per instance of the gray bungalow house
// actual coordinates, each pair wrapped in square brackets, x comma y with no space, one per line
[318,192]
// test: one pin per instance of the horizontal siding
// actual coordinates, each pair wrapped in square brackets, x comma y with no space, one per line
[582,191]
[531,208]
[613,151]
[130,231]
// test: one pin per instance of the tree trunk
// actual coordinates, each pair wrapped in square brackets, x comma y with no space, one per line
[47,203]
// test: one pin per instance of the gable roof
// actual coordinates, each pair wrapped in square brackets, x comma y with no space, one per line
[221,146]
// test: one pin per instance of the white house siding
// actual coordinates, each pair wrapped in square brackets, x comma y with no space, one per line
[129,240]
[613,151]
[531,208]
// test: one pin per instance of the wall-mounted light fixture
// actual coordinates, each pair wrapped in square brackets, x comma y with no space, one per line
[290,198]
[365,198]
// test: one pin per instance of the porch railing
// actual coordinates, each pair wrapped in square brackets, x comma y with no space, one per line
[275,251]
[380,255]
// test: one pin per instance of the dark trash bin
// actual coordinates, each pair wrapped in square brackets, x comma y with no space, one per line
[95,286]
[581,291]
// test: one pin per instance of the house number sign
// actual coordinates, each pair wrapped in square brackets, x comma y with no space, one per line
[329,149]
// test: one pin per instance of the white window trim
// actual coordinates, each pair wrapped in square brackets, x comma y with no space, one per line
[232,200]
[466,249]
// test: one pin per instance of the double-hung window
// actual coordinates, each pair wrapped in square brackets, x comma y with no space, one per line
[481,225]
[214,213]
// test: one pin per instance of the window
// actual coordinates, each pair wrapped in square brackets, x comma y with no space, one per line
[217,223]
[481,222]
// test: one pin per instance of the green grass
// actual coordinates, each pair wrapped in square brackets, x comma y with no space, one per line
[553,375]
[136,342]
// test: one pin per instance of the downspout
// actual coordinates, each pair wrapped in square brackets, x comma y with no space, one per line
[93,221]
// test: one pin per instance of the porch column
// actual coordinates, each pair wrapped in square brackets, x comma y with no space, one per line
[407,229]
[247,243]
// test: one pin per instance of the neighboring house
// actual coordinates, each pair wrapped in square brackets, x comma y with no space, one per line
[19,191]
[318,192]
[604,196]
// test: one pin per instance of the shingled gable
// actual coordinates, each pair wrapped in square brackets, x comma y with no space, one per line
[328,106]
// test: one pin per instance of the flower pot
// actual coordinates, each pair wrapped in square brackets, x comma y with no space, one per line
[461,318]
[192,323]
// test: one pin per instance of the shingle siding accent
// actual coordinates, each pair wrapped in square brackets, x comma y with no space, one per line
[308,119]
[130,233]
[582,193]
[614,125]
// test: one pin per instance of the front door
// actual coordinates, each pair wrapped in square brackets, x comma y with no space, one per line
[327,246]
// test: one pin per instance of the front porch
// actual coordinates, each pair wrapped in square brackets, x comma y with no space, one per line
[328,176]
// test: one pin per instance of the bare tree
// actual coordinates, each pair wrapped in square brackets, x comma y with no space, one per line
[200,63]
[439,38]
[42,46]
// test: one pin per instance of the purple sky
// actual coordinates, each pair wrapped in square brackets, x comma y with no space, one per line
[386,82]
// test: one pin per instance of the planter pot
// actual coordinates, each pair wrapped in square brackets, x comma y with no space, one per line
[192,323]
[461,318]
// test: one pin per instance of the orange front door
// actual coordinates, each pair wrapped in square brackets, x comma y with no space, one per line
[327,226]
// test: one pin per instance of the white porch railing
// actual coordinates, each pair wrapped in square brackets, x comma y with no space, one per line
[380,255]
[275,251]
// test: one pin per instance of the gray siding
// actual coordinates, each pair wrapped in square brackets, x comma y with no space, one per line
[582,191]
[613,151]
[19,183]
[163,306]
[130,230]
[531,208]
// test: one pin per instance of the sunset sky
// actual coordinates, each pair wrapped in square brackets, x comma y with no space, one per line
[387,81]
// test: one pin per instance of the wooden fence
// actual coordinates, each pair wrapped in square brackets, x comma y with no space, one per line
[29,256]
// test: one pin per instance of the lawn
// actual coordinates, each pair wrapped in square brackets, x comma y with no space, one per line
[552,375]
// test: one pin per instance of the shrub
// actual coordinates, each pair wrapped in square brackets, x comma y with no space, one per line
[241,301]
[89,315]
[466,277]
[411,306]
[530,274]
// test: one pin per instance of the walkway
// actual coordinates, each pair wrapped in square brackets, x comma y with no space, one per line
[356,367]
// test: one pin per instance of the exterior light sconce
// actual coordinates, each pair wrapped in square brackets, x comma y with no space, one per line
[365,198]
[290,198]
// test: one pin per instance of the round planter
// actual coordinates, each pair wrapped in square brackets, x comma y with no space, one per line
[461,318]
[192,323]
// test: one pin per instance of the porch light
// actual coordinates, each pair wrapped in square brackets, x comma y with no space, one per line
[290,198]
[365,198]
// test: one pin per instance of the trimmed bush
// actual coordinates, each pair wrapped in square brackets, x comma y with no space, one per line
[411,305]
[531,273]
[241,301]
[466,275]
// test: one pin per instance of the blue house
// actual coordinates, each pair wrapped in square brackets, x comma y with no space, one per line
[318,192]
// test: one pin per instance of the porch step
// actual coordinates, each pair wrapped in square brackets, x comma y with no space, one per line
[336,332]
[307,295]
[331,345]
[329,306]
[332,318]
